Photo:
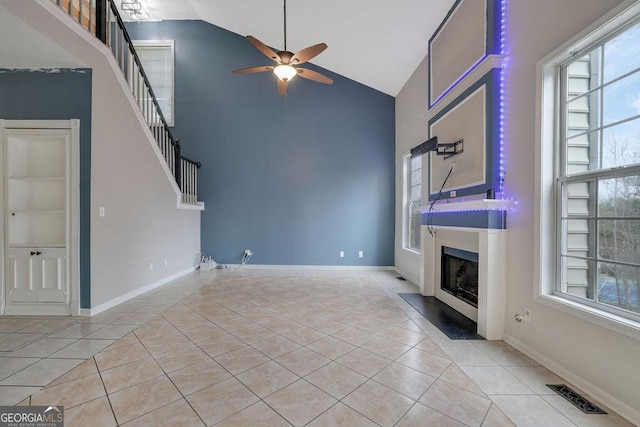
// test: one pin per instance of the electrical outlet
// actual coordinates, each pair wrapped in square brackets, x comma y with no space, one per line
[166,263]
[360,254]
[528,315]
[453,166]
[341,254]
[101,210]
[452,193]
[151,266]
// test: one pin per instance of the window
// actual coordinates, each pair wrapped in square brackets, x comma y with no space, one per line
[413,200]
[157,61]
[594,87]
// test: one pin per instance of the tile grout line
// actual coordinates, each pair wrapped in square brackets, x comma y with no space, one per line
[106,393]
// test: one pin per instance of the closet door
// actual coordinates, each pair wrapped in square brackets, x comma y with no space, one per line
[37,275]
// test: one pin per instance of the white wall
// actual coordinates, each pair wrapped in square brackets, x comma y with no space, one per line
[601,362]
[411,130]
[142,223]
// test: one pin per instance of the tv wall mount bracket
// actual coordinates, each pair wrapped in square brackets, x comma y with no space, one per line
[446,149]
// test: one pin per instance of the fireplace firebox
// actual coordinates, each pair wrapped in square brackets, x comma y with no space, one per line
[459,274]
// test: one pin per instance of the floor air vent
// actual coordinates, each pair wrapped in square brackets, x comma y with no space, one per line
[577,400]
[402,279]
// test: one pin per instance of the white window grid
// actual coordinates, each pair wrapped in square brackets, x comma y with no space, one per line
[588,217]
[413,195]
[157,57]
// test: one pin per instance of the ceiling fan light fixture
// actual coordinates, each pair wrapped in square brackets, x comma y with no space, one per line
[284,59]
[285,72]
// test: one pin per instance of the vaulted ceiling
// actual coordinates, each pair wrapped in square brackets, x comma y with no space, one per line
[378,43]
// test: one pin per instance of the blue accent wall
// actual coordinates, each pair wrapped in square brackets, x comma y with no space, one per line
[294,179]
[61,94]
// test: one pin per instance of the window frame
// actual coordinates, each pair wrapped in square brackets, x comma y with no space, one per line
[549,206]
[407,220]
[170,44]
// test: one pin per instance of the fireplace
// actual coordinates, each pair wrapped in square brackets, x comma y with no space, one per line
[485,269]
[459,274]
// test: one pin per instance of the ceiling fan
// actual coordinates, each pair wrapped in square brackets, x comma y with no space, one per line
[287,62]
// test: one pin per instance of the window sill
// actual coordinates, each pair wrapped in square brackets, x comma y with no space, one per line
[600,318]
[412,251]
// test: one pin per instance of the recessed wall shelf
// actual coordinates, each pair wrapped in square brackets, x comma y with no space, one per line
[36,211]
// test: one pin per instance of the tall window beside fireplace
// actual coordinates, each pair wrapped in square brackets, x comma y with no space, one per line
[589,169]
[413,200]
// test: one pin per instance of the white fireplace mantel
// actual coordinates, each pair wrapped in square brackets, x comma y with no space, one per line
[453,205]
[490,245]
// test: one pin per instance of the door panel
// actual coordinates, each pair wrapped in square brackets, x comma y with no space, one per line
[21,283]
[52,275]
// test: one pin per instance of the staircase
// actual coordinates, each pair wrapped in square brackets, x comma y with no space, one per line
[102,19]
[138,212]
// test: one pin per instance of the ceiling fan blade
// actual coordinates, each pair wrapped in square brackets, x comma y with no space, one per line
[310,52]
[263,48]
[314,75]
[282,87]
[259,69]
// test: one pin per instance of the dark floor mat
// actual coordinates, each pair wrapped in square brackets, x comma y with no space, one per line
[451,323]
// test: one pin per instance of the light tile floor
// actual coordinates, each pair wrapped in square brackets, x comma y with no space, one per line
[274,347]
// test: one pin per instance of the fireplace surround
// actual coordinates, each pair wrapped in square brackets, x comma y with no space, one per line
[489,244]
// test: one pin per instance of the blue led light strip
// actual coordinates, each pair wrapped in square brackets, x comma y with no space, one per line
[503,36]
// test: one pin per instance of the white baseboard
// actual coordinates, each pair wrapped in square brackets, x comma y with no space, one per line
[136,292]
[315,267]
[613,403]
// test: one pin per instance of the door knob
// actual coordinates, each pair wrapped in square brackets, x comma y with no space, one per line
[32,253]
[38,253]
